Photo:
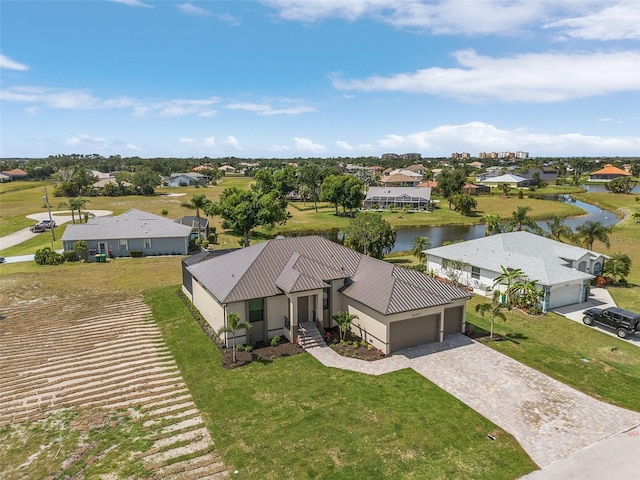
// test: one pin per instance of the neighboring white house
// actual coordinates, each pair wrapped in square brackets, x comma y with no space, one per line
[562,271]
[188,179]
[280,284]
[509,179]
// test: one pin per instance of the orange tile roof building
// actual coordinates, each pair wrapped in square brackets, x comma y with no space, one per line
[609,172]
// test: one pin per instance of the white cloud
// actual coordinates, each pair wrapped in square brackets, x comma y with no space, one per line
[132,147]
[85,139]
[613,22]
[475,137]
[186,141]
[191,9]
[32,111]
[133,3]
[269,110]
[9,64]
[232,141]
[306,145]
[532,77]
[209,142]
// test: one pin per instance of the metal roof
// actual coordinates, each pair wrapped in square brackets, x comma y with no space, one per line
[131,224]
[395,192]
[298,264]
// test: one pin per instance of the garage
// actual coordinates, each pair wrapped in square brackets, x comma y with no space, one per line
[565,295]
[414,331]
[453,318]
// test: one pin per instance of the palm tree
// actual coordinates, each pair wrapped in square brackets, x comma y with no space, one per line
[505,187]
[636,216]
[78,204]
[418,246]
[590,231]
[618,266]
[508,277]
[495,308]
[233,325]
[65,205]
[520,221]
[492,223]
[526,293]
[558,229]
[197,203]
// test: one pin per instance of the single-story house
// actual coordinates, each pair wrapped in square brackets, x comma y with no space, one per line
[4,178]
[473,189]
[414,198]
[192,221]
[133,230]
[608,172]
[510,179]
[188,179]
[476,164]
[416,168]
[279,284]
[16,174]
[562,271]
[401,178]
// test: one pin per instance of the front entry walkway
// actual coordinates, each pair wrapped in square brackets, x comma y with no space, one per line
[549,419]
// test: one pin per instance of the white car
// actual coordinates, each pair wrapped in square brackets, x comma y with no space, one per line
[47,223]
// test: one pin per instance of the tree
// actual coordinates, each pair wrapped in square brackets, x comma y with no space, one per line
[310,176]
[65,205]
[492,224]
[331,191]
[453,270]
[81,249]
[508,277]
[464,203]
[526,294]
[618,267]
[591,231]
[342,190]
[558,229]
[620,185]
[495,308]
[450,182]
[197,203]
[233,325]
[244,210]
[505,187]
[145,181]
[520,221]
[78,204]
[418,246]
[636,216]
[370,234]
[344,319]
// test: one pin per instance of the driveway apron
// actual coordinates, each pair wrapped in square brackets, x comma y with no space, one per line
[549,419]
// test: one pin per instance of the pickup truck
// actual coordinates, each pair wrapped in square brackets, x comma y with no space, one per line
[623,321]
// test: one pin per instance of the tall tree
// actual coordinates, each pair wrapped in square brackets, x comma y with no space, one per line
[370,234]
[244,210]
[65,205]
[464,203]
[418,246]
[558,229]
[494,308]
[310,176]
[197,203]
[450,182]
[145,181]
[78,204]
[620,185]
[521,221]
[331,191]
[233,325]
[591,231]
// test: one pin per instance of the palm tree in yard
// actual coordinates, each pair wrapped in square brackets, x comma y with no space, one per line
[590,231]
[492,224]
[233,325]
[495,308]
[197,203]
[78,204]
[558,229]
[521,221]
[618,266]
[418,246]
[508,277]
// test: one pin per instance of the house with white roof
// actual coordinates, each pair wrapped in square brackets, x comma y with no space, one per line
[133,230]
[560,270]
[510,179]
[412,198]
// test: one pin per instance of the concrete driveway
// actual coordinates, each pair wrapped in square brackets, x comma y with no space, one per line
[599,298]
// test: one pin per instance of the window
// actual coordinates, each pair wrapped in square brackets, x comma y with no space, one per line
[147,243]
[123,245]
[475,272]
[256,310]
[325,298]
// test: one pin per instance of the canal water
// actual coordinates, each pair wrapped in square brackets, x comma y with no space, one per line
[438,235]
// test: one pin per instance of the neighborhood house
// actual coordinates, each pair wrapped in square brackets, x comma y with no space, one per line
[412,198]
[561,271]
[132,231]
[282,284]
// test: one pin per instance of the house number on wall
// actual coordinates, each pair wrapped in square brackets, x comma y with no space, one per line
[417,314]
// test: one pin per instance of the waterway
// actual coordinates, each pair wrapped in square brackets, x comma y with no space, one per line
[438,235]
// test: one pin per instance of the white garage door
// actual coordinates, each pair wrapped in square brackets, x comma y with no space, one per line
[565,295]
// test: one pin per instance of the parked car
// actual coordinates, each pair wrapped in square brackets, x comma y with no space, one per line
[47,224]
[37,228]
[2,260]
[623,321]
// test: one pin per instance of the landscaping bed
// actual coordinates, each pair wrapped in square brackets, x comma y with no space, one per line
[353,346]
[260,352]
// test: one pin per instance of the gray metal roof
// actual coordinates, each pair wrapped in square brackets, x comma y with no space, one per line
[298,264]
[131,224]
[540,258]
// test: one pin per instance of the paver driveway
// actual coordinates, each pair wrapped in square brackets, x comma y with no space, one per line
[549,419]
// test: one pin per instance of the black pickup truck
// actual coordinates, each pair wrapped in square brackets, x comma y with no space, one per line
[623,321]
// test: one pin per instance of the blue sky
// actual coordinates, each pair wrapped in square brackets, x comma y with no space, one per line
[325,78]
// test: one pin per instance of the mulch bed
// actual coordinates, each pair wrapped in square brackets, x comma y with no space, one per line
[261,353]
[348,349]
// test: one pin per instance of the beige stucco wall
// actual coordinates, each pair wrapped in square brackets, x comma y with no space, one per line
[210,309]
[276,309]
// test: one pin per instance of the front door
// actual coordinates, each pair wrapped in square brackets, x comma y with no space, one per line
[102,247]
[303,309]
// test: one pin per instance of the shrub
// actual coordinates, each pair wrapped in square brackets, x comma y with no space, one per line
[275,341]
[81,249]
[240,348]
[46,256]
[164,212]
[136,253]
[70,256]
[205,244]
[249,348]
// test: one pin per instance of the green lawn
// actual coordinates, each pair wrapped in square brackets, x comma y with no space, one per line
[558,347]
[294,418]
